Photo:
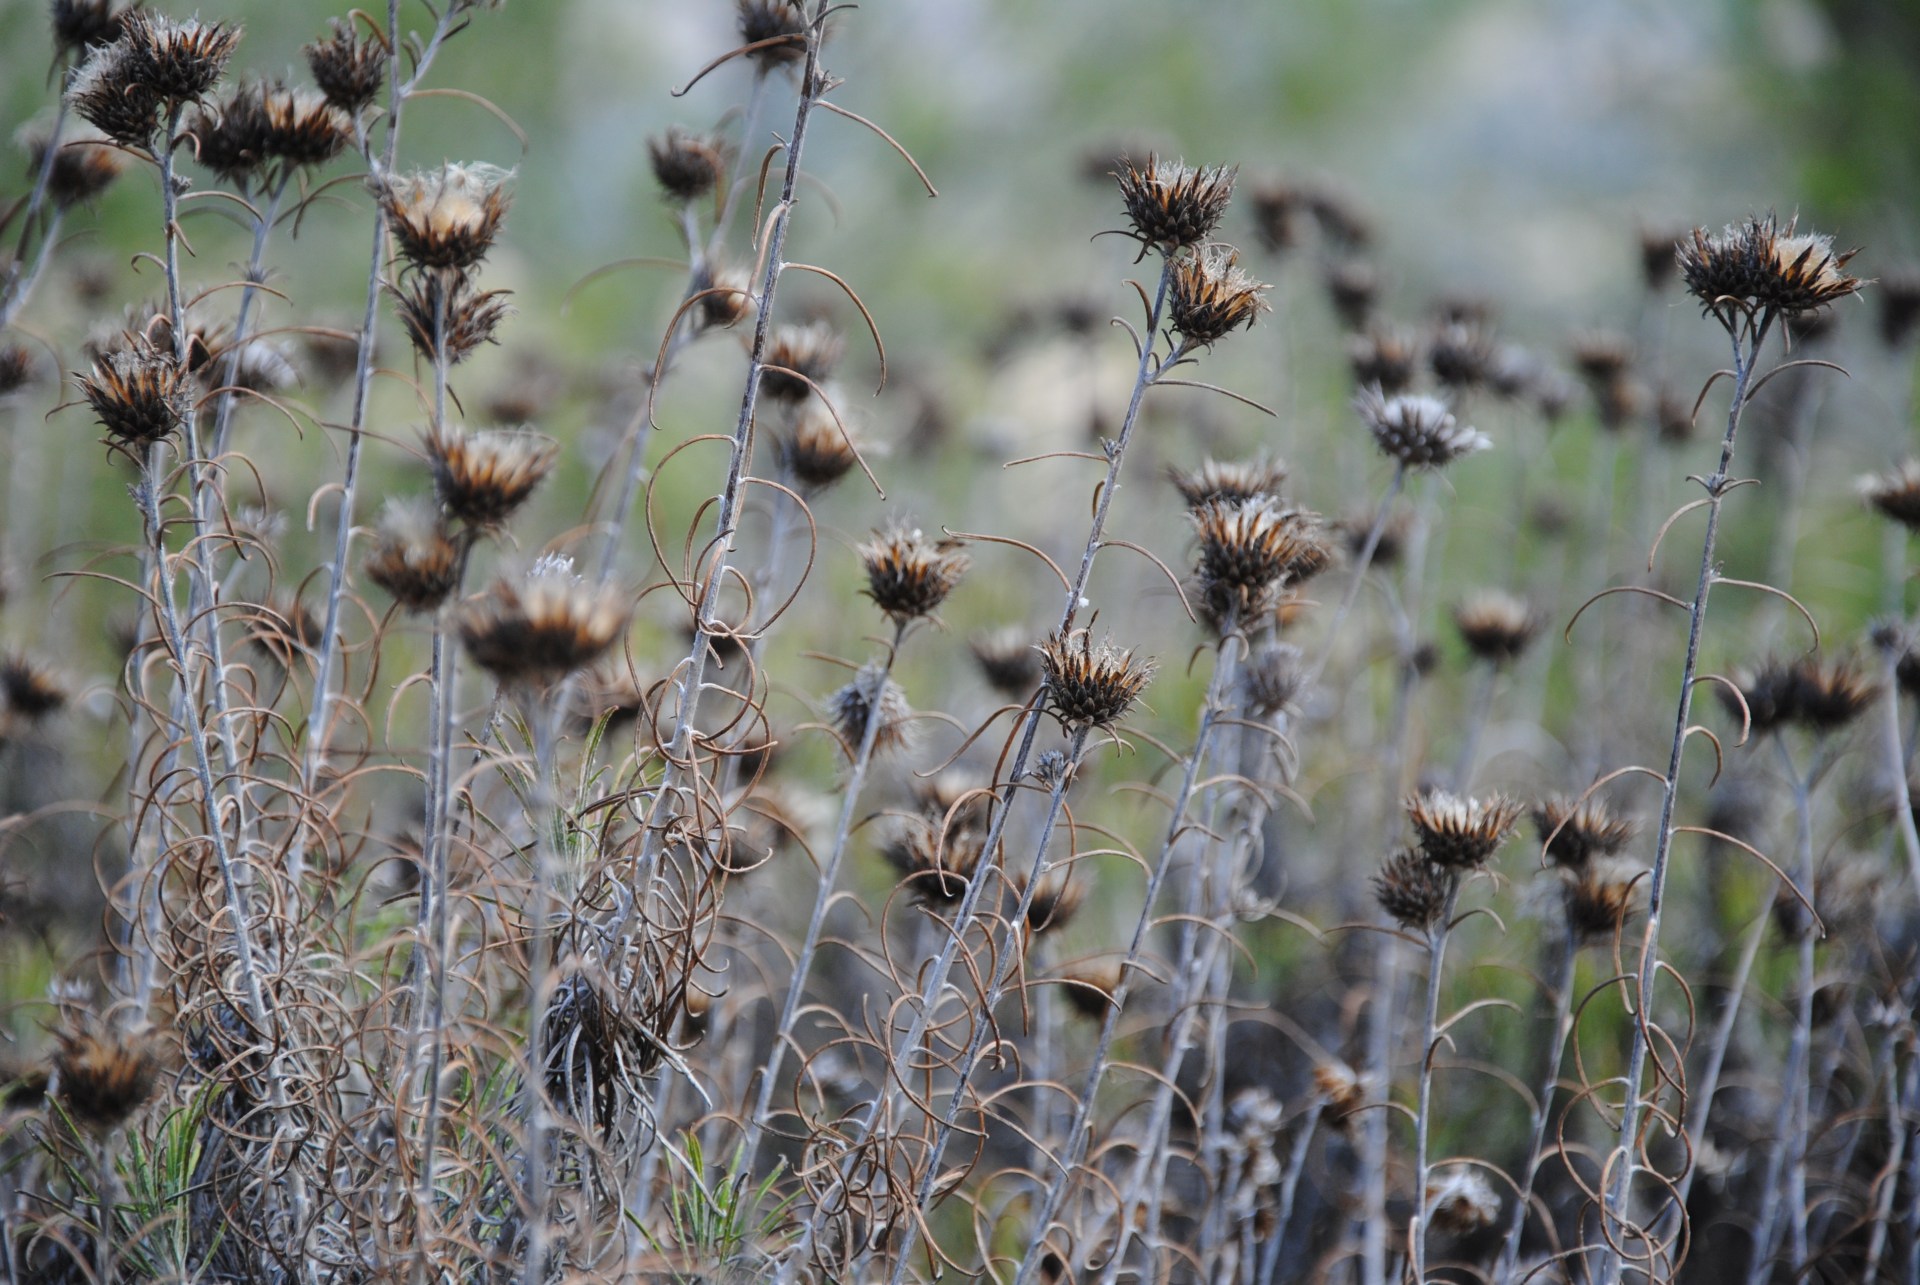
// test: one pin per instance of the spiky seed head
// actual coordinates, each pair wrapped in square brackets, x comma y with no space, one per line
[1618,403]
[1089,988]
[1460,833]
[1822,696]
[1761,265]
[685,165]
[1171,205]
[909,576]
[284,630]
[1272,678]
[483,478]
[1496,626]
[349,69]
[1341,1088]
[1602,356]
[178,60]
[1895,493]
[16,368]
[1231,481]
[1658,248]
[30,689]
[1412,890]
[102,1076]
[726,296]
[304,127]
[817,449]
[1352,286]
[871,695]
[936,864]
[80,24]
[1358,525]
[1512,372]
[1460,1201]
[536,629]
[467,317]
[812,350]
[782,22]
[414,558]
[1599,899]
[139,394]
[1575,831]
[1090,686]
[1056,899]
[1672,417]
[1338,212]
[1386,357]
[105,93]
[83,165]
[1460,355]
[1007,660]
[1278,208]
[1899,304]
[447,217]
[1209,297]
[259,366]
[1418,431]
[230,136]
[1251,549]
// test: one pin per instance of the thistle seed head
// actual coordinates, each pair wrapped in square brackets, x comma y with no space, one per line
[1765,267]
[1821,696]
[139,394]
[446,218]
[483,478]
[78,25]
[83,165]
[937,864]
[1008,661]
[816,450]
[1250,549]
[1575,832]
[1056,899]
[908,576]
[414,558]
[1599,899]
[230,136]
[685,165]
[102,1076]
[1412,890]
[1090,686]
[1899,304]
[536,629]
[1171,205]
[1460,1201]
[1341,1087]
[304,128]
[1352,287]
[1659,248]
[177,60]
[1459,833]
[1418,431]
[30,689]
[1231,481]
[1386,358]
[727,297]
[467,317]
[1496,626]
[1272,678]
[1896,493]
[349,69]
[16,368]
[1209,297]
[871,695]
[1089,988]
[1602,356]
[783,22]
[812,350]
[105,93]
[1461,355]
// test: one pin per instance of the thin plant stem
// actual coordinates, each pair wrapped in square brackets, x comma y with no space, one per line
[1477,717]
[1361,562]
[1543,1105]
[543,713]
[1437,936]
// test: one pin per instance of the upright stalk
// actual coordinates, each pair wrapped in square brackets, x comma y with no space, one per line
[1437,935]
[1543,1106]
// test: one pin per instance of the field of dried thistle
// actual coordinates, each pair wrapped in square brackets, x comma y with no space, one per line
[1276,782]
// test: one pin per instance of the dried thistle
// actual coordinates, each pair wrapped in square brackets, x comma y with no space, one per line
[938,863]
[1460,355]
[1899,304]
[1231,481]
[1459,833]
[177,60]
[1599,898]
[139,394]
[1089,988]
[1602,356]
[1056,899]
[466,317]
[482,478]
[1462,1202]
[1658,250]
[105,93]
[1209,297]
[812,351]
[446,218]
[1418,431]
[1496,626]
[779,25]
[30,689]
[816,450]
[870,695]
[1358,525]
[536,629]
[685,165]
[1575,832]
[83,165]
[80,24]
[1352,286]
[1412,890]
[304,129]
[349,69]
[908,576]
[1895,494]
[1088,686]
[1385,358]
[1007,660]
[1252,548]
[1341,1088]
[1171,205]
[1272,678]
[414,557]
[102,1076]
[1763,266]
[16,368]
[726,296]
[230,137]
[1821,696]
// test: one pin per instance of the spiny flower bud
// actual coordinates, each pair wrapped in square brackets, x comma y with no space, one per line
[465,318]
[1229,480]
[812,351]
[1090,686]
[1007,660]
[871,695]
[446,218]
[1412,890]
[685,165]
[1209,297]
[536,629]
[482,478]
[414,557]
[1170,205]
[1575,832]
[908,577]
[1418,431]
[1460,833]
[139,394]
[1496,626]
[349,69]
[1761,265]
